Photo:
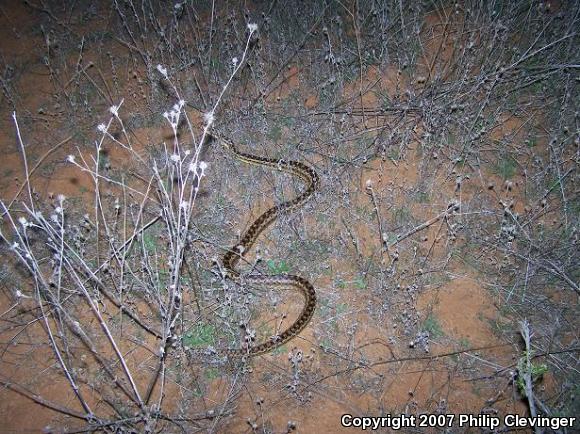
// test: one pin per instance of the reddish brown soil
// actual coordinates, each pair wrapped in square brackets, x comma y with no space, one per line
[462,304]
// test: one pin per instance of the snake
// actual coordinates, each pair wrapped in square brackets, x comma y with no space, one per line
[237,252]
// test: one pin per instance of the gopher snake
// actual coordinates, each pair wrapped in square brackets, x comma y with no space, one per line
[238,251]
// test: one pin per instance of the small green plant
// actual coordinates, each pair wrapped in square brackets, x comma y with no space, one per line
[536,372]
[288,121]
[402,215]
[215,63]
[464,343]
[360,283]
[386,102]
[103,161]
[275,133]
[339,310]
[150,242]
[536,87]
[326,344]
[212,373]
[323,307]
[450,138]
[163,280]
[201,335]
[531,142]
[280,267]
[394,154]
[431,325]
[422,197]
[280,350]
[553,183]
[349,74]
[506,167]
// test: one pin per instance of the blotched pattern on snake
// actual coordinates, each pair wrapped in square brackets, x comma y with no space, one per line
[238,251]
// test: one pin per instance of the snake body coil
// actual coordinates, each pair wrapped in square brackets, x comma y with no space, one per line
[231,258]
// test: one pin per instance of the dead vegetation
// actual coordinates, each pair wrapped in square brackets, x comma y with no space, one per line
[443,243]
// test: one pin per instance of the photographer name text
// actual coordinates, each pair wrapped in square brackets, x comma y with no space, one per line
[401,421]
